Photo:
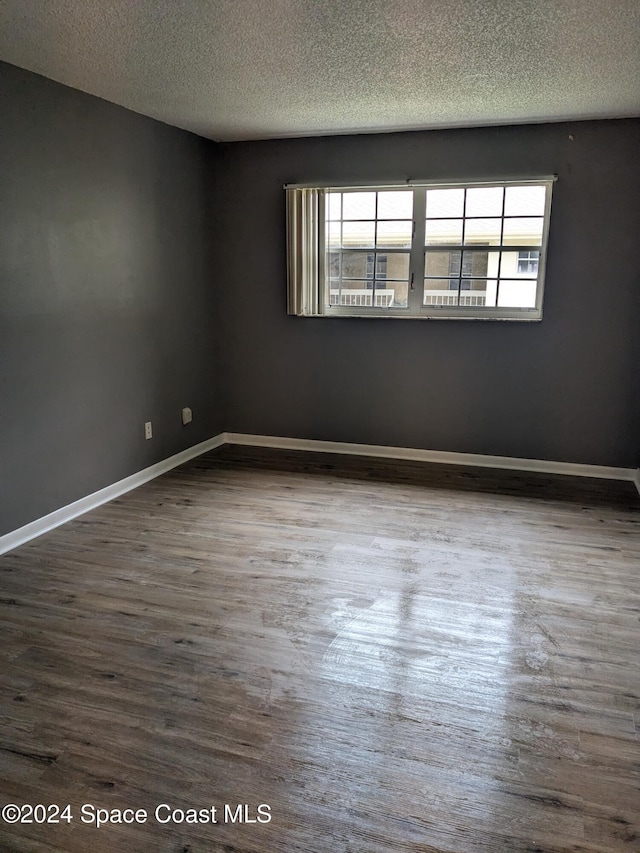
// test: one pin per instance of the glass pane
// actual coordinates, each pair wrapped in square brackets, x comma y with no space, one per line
[356,234]
[474,291]
[492,290]
[520,264]
[334,205]
[517,294]
[394,266]
[477,263]
[443,231]
[395,205]
[523,232]
[440,291]
[445,203]
[395,234]
[484,201]
[334,234]
[333,264]
[473,284]
[356,293]
[355,284]
[359,206]
[392,294]
[357,265]
[524,201]
[493,259]
[484,231]
[442,263]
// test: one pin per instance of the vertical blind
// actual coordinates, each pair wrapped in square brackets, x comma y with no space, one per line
[305,208]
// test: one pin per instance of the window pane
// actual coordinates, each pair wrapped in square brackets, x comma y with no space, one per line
[357,294]
[395,234]
[445,203]
[440,291]
[356,234]
[392,294]
[442,263]
[355,284]
[333,264]
[523,232]
[477,263]
[334,234]
[443,231]
[359,206]
[520,264]
[394,266]
[477,292]
[484,201]
[492,290]
[524,201]
[334,205]
[334,293]
[395,205]
[517,294]
[437,285]
[474,284]
[357,265]
[482,231]
[381,268]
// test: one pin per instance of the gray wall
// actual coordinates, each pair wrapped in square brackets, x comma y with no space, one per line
[563,389]
[142,269]
[106,302]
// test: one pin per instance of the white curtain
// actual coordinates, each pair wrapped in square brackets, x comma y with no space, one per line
[305,261]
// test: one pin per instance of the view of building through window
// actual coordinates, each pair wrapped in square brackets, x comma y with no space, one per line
[382,223]
[481,246]
[475,220]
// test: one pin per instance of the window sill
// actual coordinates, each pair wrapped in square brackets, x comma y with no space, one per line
[530,316]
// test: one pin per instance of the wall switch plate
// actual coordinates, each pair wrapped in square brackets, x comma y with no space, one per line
[187,415]
[148,433]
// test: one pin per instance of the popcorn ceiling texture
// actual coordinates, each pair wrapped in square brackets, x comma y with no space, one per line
[252,69]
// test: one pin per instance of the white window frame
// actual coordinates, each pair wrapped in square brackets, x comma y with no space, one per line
[308,284]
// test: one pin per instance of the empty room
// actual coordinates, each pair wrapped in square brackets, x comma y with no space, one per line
[319,426]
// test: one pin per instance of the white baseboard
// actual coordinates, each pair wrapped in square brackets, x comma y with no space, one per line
[442,456]
[48,522]
[66,513]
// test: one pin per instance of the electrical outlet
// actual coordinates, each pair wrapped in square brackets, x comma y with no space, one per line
[148,432]
[187,415]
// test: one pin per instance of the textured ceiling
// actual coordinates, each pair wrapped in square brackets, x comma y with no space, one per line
[247,69]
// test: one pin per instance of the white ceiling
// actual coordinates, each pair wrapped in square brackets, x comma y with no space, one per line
[254,69]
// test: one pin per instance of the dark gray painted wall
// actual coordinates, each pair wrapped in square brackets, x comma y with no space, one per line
[563,389]
[143,269]
[106,309]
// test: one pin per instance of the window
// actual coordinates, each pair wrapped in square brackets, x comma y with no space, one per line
[528,263]
[474,251]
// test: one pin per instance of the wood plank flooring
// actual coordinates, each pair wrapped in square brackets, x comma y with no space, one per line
[391,656]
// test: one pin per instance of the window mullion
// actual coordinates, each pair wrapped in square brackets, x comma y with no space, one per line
[375,254]
[416,259]
[499,274]
[464,239]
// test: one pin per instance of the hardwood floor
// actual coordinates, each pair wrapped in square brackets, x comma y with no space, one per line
[391,656]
